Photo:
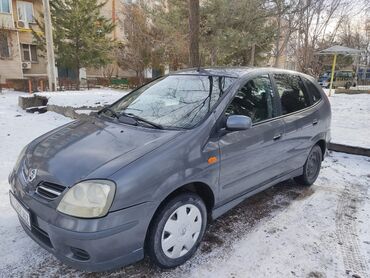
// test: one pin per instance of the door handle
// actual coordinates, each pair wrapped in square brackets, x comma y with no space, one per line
[277,136]
[315,122]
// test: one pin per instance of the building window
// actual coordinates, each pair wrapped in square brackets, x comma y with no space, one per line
[5,6]
[25,14]
[29,53]
[4,45]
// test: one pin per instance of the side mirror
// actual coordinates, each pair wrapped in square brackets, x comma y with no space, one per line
[238,122]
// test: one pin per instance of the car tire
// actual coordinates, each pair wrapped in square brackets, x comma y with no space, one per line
[311,168]
[177,230]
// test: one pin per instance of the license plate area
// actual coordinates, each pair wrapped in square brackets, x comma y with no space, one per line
[22,212]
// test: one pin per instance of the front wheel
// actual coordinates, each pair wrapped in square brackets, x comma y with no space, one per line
[177,230]
[311,168]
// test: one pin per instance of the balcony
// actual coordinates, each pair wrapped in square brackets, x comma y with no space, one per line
[6,21]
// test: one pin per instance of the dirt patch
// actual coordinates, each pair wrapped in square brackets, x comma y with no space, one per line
[316,274]
[240,220]
[306,193]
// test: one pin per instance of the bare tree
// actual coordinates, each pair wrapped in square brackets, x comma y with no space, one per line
[135,52]
[318,26]
[286,14]
[108,72]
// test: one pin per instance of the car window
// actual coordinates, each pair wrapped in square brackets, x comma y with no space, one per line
[292,94]
[313,91]
[175,101]
[343,75]
[254,99]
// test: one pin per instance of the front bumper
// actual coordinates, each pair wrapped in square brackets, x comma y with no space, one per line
[324,84]
[87,244]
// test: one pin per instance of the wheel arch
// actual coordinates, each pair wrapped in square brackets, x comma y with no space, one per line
[202,189]
[322,144]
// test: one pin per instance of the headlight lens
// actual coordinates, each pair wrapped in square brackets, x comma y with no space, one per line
[88,199]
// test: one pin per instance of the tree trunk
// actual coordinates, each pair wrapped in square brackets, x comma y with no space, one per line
[277,42]
[194,33]
[253,54]
[141,78]
[213,56]
[78,78]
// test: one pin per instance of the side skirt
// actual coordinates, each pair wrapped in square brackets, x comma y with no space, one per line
[217,212]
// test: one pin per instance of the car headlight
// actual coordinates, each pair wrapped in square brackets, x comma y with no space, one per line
[88,199]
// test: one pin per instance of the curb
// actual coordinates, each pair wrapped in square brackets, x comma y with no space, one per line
[349,149]
[352,92]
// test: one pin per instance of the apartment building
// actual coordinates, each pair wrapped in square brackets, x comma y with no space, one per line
[19,56]
[114,10]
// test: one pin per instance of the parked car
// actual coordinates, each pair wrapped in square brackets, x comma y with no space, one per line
[342,78]
[146,175]
[324,80]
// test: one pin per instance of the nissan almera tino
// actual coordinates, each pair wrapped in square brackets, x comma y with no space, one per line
[146,174]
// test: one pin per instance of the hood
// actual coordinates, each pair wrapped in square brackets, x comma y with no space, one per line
[91,149]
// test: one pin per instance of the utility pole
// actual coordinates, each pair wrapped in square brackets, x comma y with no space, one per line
[52,77]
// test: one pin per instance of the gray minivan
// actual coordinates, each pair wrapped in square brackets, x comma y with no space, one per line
[146,174]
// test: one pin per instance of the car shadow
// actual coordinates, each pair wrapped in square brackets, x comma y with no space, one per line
[219,237]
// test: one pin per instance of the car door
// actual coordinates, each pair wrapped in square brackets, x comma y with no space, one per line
[251,157]
[299,117]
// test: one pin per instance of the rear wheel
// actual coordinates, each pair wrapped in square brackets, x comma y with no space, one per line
[177,230]
[311,168]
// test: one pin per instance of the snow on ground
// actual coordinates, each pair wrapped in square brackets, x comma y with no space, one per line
[286,231]
[317,236]
[351,119]
[17,128]
[88,98]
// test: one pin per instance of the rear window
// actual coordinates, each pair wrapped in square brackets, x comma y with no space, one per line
[292,93]
[313,91]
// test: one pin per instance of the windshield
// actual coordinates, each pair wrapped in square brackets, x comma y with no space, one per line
[175,101]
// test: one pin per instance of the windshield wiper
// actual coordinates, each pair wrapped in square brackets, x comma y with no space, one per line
[111,111]
[139,119]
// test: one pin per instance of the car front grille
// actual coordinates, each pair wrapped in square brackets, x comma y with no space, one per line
[49,190]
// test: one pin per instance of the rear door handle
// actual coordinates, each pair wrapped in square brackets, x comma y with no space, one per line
[315,122]
[277,136]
